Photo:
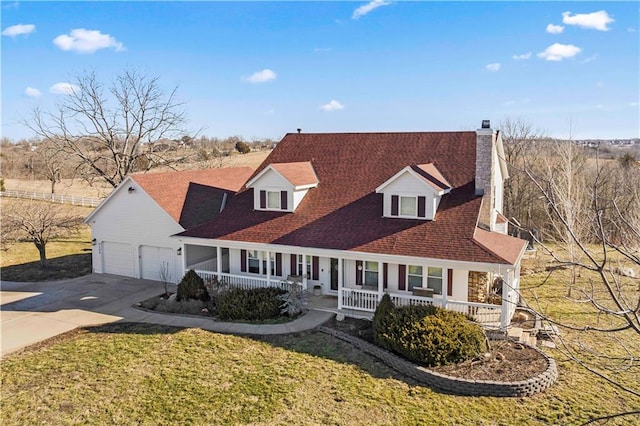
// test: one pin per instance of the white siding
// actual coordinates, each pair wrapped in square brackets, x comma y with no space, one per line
[408,185]
[460,284]
[272,181]
[133,218]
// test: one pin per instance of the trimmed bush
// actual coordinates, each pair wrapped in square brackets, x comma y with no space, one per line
[251,305]
[427,335]
[192,287]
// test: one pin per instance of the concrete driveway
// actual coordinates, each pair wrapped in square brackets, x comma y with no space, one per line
[32,312]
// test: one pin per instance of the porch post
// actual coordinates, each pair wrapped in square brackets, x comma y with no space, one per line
[380,281]
[219,261]
[268,253]
[340,282]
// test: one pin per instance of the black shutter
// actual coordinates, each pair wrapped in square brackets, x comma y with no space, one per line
[278,264]
[394,205]
[315,268]
[358,272]
[243,260]
[283,200]
[422,206]
[385,275]
[402,277]
[263,199]
[294,264]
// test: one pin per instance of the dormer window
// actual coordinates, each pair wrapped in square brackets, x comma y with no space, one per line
[414,192]
[282,186]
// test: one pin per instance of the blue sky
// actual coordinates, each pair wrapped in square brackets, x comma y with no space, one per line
[262,69]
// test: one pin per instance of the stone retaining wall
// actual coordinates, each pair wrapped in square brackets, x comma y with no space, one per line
[449,384]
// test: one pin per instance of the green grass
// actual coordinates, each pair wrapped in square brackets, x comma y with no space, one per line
[67,258]
[151,374]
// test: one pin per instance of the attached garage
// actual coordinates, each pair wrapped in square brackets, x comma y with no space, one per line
[155,260]
[117,258]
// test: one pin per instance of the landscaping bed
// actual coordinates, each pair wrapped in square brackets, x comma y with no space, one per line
[505,361]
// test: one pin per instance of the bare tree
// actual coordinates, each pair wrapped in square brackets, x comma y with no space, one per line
[112,131]
[38,222]
[51,162]
[603,242]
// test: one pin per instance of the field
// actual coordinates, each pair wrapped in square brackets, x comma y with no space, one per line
[147,374]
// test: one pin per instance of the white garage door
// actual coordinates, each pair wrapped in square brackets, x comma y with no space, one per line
[153,260]
[117,258]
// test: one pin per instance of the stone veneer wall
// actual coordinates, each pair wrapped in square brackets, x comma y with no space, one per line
[454,385]
[477,287]
[486,155]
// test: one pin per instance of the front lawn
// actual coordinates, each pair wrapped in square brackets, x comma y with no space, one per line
[150,374]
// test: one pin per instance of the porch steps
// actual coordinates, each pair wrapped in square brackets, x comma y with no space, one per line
[515,333]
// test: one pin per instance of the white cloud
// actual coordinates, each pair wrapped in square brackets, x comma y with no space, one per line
[595,20]
[261,76]
[20,29]
[32,92]
[63,88]
[332,106]
[589,59]
[87,41]
[555,29]
[557,52]
[372,5]
[493,67]
[522,56]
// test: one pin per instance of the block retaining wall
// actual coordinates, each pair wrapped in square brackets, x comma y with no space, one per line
[449,384]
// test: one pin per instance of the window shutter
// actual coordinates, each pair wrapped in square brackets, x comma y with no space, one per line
[315,268]
[358,272]
[422,206]
[449,282]
[243,261]
[385,275]
[263,199]
[394,205]
[402,277]
[278,264]
[294,264]
[283,200]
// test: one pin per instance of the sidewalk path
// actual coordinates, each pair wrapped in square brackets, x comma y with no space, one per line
[32,312]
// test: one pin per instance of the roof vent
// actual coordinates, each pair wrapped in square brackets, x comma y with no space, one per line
[486,124]
[299,130]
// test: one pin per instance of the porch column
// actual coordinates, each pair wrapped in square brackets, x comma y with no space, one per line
[380,281]
[219,261]
[268,268]
[340,282]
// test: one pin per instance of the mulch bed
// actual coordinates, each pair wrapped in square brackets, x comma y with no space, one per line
[506,361]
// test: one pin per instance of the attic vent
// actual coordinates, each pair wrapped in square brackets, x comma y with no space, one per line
[299,130]
[486,124]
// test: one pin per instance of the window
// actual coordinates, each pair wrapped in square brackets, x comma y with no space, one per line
[434,279]
[414,276]
[301,264]
[273,264]
[408,206]
[273,199]
[253,261]
[371,273]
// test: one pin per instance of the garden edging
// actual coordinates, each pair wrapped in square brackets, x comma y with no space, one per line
[454,385]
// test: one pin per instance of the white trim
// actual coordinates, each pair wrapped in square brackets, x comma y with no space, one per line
[347,254]
[414,174]
[257,177]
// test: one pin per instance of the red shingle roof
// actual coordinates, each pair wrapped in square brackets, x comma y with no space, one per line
[343,212]
[192,196]
[432,176]
[298,174]
[508,248]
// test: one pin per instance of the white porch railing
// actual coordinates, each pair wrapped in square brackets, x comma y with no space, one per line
[243,281]
[366,300]
[362,300]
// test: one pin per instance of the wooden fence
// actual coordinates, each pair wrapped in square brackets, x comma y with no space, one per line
[54,198]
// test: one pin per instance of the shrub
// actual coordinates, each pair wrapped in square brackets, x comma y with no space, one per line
[192,287]
[427,335]
[252,305]
[294,301]
[243,147]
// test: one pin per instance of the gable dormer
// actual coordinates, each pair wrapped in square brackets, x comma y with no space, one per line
[414,192]
[282,186]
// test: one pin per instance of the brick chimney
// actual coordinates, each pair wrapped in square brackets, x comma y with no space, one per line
[486,165]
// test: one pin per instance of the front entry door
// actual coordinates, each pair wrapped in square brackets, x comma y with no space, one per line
[334,274]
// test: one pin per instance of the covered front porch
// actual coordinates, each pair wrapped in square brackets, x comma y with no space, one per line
[356,282]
